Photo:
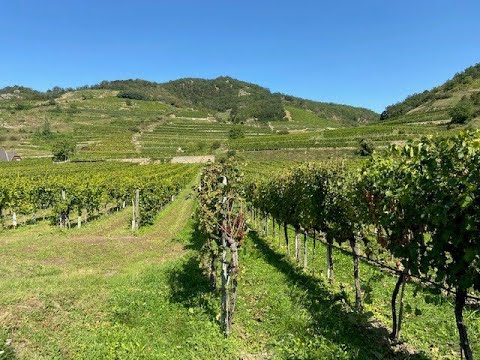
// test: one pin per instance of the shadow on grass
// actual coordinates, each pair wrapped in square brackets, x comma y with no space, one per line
[7,352]
[331,320]
[189,285]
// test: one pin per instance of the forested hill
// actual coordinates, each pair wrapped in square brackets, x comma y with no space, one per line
[438,101]
[225,98]
[240,100]
[350,114]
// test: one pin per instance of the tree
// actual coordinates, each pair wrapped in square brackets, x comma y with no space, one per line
[236,133]
[63,149]
[45,131]
[462,111]
[365,147]
[215,145]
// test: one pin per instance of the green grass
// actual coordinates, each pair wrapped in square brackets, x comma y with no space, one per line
[302,118]
[102,293]
[429,322]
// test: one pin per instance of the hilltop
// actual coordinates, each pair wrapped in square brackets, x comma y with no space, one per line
[435,104]
[232,99]
[224,97]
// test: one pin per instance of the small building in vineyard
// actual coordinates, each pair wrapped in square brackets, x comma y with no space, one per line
[9,155]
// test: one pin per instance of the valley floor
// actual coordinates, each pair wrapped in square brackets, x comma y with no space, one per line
[102,293]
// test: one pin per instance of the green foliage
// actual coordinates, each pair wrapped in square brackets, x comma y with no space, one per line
[236,133]
[132,95]
[365,147]
[462,112]
[475,97]
[331,111]
[245,100]
[222,223]
[22,106]
[25,93]
[215,145]
[92,188]
[459,81]
[422,199]
[63,149]
[45,131]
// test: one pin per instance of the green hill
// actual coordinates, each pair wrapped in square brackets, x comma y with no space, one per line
[224,98]
[231,99]
[436,104]
[139,119]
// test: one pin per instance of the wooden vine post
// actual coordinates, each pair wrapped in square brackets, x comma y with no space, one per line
[330,274]
[65,209]
[225,308]
[136,210]
[305,250]
[356,272]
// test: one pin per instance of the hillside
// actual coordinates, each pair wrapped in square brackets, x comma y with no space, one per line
[435,104]
[230,99]
[137,119]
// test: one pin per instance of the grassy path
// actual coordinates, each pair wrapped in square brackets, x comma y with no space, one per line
[55,282]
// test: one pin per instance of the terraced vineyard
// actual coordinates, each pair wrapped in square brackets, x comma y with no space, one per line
[104,126]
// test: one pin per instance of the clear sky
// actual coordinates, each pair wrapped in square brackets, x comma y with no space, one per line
[367,53]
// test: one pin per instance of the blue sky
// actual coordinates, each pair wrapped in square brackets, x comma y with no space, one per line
[366,53]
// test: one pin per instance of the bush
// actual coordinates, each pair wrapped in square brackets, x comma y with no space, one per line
[462,112]
[236,133]
[216,145]
[365,148]
[475,98]
[20,107]
[63,149]
[134,95]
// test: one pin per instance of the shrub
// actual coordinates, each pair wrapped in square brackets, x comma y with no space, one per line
[236,133]
[63,149]
[20,107]
[365,147]
[462,112]
[216,145]
[134,95]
